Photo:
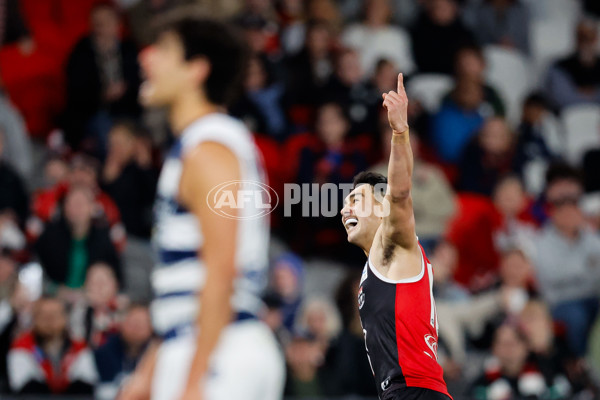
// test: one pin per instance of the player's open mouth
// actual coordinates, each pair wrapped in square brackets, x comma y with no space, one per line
[350,223]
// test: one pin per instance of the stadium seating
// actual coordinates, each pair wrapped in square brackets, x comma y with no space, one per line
[582,129]
[550,39]
[509,72]
[429,89]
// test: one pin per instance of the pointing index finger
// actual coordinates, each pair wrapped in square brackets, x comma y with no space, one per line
[400,83]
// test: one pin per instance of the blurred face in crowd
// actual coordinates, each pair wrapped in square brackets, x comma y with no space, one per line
[386,76]
[332,126]
[533,113]
[167,73]
[377,12]
[79,207]
[49,319]
[325,10]
[361,216]
[105,23]
[321,319]
[469,64]
[83,173]
[7,268]
[468,94]
[442,12]
[444,262]
[510,349]
[515,269]
[348,68]
[318,40]
[304,356]
[121,143]
[587,40]
[563,198]
[55,171]
[293,7]
[536,322]
[100,285]
[509,197]
[256,78]
[495,137]
[285,281]
[136,328]
[259,6]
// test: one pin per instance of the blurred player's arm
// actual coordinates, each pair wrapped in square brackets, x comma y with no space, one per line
[399,225]
[209,165]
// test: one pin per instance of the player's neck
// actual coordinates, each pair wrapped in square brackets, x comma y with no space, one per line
[187,108]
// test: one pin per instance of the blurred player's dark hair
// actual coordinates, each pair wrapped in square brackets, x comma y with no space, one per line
[376,180]
[219,43]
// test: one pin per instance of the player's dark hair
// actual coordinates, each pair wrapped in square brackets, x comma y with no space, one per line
[561,172]
[220,44]
[375,180]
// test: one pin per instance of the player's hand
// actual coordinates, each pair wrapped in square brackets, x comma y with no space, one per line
[396,104]
[136,388]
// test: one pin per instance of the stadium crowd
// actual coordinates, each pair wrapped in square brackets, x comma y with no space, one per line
[505,121]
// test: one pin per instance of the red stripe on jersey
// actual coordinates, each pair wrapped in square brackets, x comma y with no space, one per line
[416,333]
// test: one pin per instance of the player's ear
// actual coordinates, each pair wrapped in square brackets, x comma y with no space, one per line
[200,69]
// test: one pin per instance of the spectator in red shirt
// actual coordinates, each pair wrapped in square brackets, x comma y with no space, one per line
[46,360]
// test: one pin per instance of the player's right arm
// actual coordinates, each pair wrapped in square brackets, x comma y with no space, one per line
[139,384]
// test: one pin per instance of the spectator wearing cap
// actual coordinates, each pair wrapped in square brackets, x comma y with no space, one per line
[439,27]
[73,242]
[47,360]
[117,358]
[576,79]
[103,79]
[567,258]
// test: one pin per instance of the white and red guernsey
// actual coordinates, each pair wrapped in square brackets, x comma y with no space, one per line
[400,326]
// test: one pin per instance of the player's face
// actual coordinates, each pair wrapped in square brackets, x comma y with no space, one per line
[361,216]
[166,72]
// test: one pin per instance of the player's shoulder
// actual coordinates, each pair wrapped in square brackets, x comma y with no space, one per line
[217,127]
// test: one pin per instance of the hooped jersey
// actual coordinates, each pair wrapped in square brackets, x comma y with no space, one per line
[400,326]
[180,273]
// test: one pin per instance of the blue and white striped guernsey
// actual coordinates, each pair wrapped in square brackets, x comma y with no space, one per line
[179,274]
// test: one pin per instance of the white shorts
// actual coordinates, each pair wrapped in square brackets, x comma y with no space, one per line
[246,364]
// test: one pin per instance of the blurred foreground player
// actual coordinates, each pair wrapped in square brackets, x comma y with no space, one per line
[395,297]
[211,268]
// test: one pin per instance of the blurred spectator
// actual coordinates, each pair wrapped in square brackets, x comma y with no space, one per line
[273,316]
[102,80]
[487,158]
[73,242]
[261,33]
[444,259]
[129,178]
[287,280]
[500,22]
[96,317]
[15,148]
[83,172]
[13,193]
[56,171]
[292,17]
[509,375]
[591,209]
[310,69]
[592,7]
[550,351]
[517,223]
[375,38]
[532,145]
[433,198]
[576,79]
[466,107]
[8,313]
[118,357]
[304,356]
[320,319]
[325,10]
[346,370]
[261,106]
[348,88]
[439,27]
[46,360]
[568,258]
[14,27]
[332,158]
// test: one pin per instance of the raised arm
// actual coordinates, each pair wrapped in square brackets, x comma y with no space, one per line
[399,225]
